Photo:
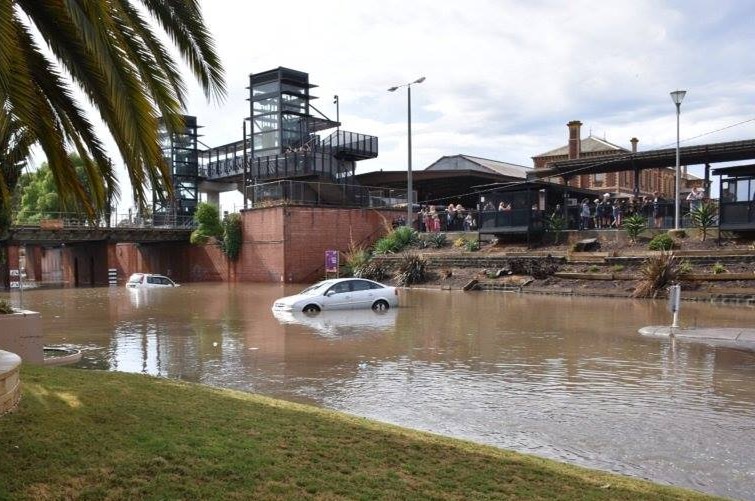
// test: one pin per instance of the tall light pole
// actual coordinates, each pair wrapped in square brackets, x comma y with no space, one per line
[338,112]
[409,211]
[677,96]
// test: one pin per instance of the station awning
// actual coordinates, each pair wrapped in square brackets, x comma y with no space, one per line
[688,155]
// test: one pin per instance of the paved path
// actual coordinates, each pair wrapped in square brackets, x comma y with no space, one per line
[729,336]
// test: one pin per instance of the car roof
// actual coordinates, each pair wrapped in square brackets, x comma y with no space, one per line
[333,281]
[346,279]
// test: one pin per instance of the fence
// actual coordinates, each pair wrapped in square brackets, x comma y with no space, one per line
[61,220]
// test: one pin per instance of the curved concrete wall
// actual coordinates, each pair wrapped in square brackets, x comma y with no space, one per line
[10,381]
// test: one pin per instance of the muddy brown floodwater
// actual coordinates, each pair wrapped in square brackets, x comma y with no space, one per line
[566,378]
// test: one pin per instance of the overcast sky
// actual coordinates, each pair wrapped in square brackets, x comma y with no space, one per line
[503,76]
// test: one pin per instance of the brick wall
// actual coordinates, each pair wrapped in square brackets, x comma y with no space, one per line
[280,244]
[171,259]
[288,244]
[333,229]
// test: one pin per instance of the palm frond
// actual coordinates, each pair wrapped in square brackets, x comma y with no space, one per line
[113,55]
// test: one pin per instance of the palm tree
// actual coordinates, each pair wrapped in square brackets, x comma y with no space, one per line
[15,144]
[110,50]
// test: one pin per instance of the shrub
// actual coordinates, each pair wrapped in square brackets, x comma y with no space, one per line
[396,240]
[438,240]
[618,268]
[199,237]
[374,270]
[423,243]
[460,242]
[704,217]
[404,236]
[634,225]
[411,269]
[661,242]
[232,238]
[685,267]
[361,264]
[656,273]
[386,245]
[472,245]
[5,307]
[356,259]
[593,268]
[207,218]
[718,268]
[555,225]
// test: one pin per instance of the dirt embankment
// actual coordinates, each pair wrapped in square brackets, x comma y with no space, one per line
[609,268]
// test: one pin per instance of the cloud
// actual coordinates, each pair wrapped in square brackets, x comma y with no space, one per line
[503,77]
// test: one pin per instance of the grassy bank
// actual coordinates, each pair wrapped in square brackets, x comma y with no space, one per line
[96,435]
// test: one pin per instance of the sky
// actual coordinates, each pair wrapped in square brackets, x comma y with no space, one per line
[503,77]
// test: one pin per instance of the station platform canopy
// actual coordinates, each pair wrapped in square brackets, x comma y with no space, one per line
[704,154]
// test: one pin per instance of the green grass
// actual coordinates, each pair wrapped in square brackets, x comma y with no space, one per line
[99,435]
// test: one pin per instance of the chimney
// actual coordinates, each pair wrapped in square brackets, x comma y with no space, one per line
[634,142]
[575,141]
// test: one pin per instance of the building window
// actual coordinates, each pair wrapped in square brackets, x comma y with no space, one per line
[598,179]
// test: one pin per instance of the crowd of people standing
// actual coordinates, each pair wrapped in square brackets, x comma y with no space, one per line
[608,213]
[453,218]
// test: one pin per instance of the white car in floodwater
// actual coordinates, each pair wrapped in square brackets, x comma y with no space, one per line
[340,294]
[149,281]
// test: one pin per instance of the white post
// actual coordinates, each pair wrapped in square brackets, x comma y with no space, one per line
[674,300]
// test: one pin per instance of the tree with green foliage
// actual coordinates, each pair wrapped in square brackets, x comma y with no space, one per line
[207,217]
[112,52]
[15,144]
[228,233]
[38,197]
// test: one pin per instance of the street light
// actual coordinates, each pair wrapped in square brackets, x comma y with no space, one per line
[338,113]
[677,96]
[408,86]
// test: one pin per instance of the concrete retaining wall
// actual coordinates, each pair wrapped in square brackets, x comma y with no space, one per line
[21,333]
[10,381]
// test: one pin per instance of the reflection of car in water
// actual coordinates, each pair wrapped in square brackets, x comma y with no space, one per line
[340,294]
[341,323]
[149,281]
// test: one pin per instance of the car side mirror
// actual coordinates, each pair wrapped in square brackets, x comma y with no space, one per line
[330,293]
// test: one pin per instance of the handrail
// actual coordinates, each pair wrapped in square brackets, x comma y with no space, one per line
[68,220]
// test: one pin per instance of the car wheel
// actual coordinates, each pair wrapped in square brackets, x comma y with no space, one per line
[311,308]
[381,305]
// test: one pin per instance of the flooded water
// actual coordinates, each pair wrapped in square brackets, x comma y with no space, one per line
[560,377]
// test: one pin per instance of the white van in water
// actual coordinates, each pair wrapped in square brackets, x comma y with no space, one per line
[148,281]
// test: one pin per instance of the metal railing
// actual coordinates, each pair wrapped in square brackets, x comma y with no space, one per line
[314,156]
[63,220]
[323,194]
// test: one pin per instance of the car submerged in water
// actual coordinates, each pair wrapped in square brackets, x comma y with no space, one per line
[340,294]
[149,281]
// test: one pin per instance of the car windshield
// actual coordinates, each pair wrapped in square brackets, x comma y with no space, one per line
[314,289]
[135,279]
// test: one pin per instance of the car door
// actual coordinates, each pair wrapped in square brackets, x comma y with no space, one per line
[362,294]
[337,297]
